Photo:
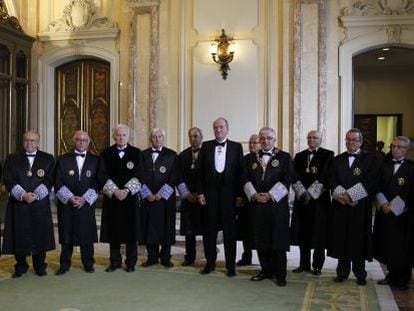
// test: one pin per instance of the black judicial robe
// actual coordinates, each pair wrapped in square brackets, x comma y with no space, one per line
[120,219]
[309,225]
[393,235]
[351,226]
[28,227]
[158,217]
[191,220]
[76,226]
[270,219]
[244,218]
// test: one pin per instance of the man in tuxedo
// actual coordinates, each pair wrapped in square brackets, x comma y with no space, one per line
[76,186]
[118,174]
[244,219]
[266,178]
[309,227]
[28,230]
[191,211]
[393,231]
[219,190]
[353,180]
[158,175]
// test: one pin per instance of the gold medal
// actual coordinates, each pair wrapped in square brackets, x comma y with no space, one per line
[401,181]
[88,173]
[314,169]
[275,163]
[130,165]
[357,171]
[40,173]
[29,173]
[254,166]
[163,169]
[71,172]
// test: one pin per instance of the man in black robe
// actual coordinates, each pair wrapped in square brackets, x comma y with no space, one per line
[393,227]
[118,174]
[191,211]
[76,188]
[220,190]
[266,178]
[244,219]
[353,180]
[309,226]
[158,174]
[28,230]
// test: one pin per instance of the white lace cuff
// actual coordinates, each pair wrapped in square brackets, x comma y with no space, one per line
[357,192]
[109,188]
[183,190]
[249,190]
[41,191]
[64,194]
[17,192]
[315,190]
[299,189]
[145,191]
[381,199]
[278,191]
[166,191]
[133,185]
[337,192]
[90,196]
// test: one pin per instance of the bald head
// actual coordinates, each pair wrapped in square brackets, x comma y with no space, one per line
[254,143]
[314,139]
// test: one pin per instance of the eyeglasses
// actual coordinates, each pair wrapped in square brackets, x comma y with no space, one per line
[399,147]
[82,140]
[31,140]
[353,140]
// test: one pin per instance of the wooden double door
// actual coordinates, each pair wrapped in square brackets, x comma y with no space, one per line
[83,103]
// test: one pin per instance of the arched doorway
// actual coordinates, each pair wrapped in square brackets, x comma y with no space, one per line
[383,94]
[83,102]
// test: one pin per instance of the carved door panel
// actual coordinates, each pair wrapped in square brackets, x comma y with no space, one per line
[82,102]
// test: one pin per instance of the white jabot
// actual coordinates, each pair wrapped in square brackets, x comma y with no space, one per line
[352,159]
[397,164]
[121,152]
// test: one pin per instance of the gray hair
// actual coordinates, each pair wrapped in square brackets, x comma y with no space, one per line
[267,129]
[81,132]
[404,139]
[155,130]
[195,129]
[121,126]
[357,131]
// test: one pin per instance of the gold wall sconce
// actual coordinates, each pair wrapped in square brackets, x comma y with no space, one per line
[222,51]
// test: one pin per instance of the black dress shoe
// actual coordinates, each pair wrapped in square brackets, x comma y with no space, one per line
[316,272]
[339,279]
[112,268]
[167,264]
[89,269]
[244,262]
[361,281]
[231,273]
[260,277]
[149,263]
[130,269]
[41,272]
[384,282]
[300,269]
[281,283]
[206,270]
[17,274]
[187,263]
[61,271]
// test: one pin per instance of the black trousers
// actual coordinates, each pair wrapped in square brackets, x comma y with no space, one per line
[274,263]
[86,251]
[399,276]
[131,254]
[247,250]
[344,268]
[154,253]
[305,258]
[190,248]
[38,260]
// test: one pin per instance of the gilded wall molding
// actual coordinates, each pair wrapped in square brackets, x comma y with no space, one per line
[380,7]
